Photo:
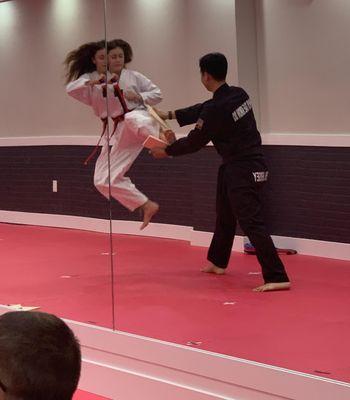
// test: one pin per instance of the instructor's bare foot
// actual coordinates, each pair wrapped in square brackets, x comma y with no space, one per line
[269,287]
[213,269]
[149,209]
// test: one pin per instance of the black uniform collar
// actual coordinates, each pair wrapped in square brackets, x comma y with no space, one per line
[220,91]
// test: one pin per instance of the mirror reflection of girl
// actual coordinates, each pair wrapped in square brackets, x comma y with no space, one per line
[86,72]
[130,132]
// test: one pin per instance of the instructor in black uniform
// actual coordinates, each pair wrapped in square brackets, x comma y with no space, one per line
[228,121]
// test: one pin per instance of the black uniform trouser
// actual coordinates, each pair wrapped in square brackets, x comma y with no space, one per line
[239,199]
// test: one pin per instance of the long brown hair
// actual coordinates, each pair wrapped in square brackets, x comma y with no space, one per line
[79,61]
[125,46]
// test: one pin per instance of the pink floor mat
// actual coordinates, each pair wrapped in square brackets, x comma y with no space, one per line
[160,293]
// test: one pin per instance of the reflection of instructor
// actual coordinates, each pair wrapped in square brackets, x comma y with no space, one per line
[228,121]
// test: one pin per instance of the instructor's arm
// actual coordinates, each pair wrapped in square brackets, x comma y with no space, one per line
[198,137]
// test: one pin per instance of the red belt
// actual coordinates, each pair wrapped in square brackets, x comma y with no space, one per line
[104,121]
[118,93]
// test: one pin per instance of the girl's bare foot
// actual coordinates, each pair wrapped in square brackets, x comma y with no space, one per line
[149,209]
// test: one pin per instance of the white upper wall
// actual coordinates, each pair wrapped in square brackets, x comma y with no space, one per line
[167,36]
[304,59]
[211,27]
[247,56]
[35,36]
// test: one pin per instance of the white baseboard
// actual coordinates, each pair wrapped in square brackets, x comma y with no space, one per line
[153,230]
[330,139]
[55,221]
[310,247]
[200,238]
[119,365]
[318,248]
[71,140]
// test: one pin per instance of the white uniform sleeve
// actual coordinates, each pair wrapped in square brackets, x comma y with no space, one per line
[149,92]
[79,90]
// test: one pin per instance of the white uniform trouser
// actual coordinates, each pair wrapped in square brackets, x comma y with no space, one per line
[129,136]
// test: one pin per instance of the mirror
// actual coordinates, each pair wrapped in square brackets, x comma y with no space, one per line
[55,234]
[160,291]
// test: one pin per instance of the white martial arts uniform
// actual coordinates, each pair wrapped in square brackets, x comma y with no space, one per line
[129,136]
[93,96]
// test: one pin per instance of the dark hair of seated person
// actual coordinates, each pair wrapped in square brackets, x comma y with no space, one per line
[40,357]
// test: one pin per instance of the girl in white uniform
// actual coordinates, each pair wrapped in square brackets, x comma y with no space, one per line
[86,73]
[133,127]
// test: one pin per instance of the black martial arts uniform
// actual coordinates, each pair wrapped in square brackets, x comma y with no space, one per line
[228,121]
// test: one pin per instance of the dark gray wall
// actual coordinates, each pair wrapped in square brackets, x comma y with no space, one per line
[308,195]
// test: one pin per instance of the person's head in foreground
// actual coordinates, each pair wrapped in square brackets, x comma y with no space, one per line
[213,68]
[40,357]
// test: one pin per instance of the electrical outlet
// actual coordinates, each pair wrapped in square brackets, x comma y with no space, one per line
[54,186]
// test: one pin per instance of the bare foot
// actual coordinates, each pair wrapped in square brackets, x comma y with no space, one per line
[149,209]
[213,269]
[269,287]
